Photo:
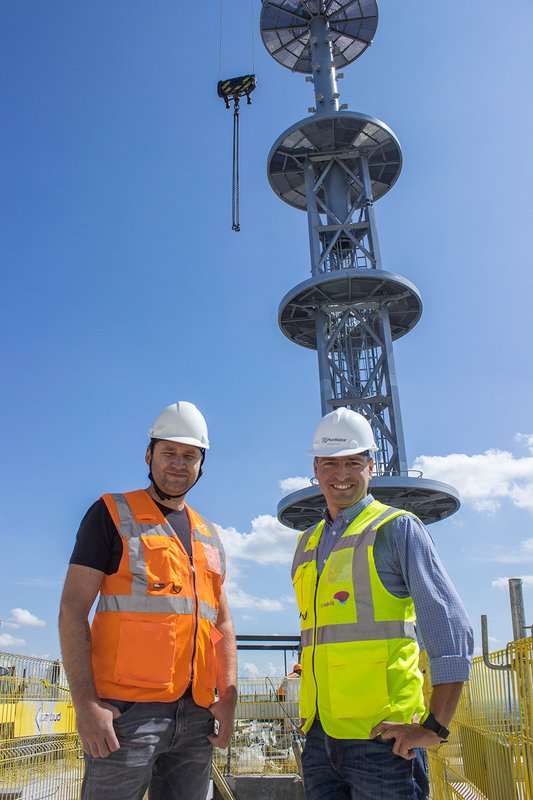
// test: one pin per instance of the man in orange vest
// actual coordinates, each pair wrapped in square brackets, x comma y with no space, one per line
[143,675]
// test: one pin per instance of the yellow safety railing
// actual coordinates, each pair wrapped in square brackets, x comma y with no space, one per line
[489,755]
[490,752]
[40,753]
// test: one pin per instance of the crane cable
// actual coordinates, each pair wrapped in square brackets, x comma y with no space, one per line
[235,88]
[235,188]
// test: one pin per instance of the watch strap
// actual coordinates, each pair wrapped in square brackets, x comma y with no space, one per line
[432,724]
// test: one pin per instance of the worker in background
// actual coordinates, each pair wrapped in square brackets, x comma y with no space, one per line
[363,576]
[296,673]
[143,675]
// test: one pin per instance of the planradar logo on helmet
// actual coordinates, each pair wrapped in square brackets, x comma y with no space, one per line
[342,432]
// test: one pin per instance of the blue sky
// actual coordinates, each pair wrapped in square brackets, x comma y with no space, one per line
[125,289]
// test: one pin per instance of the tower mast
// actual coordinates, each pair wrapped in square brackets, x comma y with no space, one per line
[335,165]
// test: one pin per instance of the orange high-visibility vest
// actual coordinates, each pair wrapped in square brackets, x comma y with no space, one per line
[154,627]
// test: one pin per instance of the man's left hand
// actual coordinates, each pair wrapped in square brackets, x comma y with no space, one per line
[407,737]
[223,711]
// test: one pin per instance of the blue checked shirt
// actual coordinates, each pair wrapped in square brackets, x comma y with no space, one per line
[408,565]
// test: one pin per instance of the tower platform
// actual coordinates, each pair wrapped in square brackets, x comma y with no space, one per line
[430,500]
[286,30]
[343,135]
[358,289]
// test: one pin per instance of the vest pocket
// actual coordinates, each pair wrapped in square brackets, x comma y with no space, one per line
[302,589]
[161,563]
[357,680]
[146,653]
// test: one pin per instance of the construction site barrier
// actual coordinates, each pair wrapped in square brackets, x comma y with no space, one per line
[489,755]
[40,752]
[490,752]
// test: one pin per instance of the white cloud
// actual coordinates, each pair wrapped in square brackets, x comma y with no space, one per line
[485,479]
[503,583]
[288,485]
[6,640]
[238,598]
[249,669]
[268,542]
[23,617]
[527,439]
[523,553]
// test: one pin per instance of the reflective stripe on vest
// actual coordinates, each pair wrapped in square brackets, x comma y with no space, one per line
[359,632]
[367,628]
[139,601]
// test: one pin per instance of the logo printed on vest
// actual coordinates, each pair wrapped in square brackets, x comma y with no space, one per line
[342,597]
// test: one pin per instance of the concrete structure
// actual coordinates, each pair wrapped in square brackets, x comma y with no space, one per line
[335,165]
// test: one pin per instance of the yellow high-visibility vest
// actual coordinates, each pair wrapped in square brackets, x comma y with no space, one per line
[359,648]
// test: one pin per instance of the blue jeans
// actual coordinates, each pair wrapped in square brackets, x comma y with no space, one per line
[163,747]
[355,769]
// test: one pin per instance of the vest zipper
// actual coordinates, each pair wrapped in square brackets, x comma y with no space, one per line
[195,619]
[314,646]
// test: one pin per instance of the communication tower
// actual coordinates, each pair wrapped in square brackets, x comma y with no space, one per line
[335,165]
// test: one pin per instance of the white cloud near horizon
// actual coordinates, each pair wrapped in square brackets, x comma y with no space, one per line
[250,670]
[503,583]
[268,542]
[22,617]
[288,485]
[485,479]
[6,640]
[522,554]
[238,598]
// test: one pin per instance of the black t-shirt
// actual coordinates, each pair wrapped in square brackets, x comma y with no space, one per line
[98,544]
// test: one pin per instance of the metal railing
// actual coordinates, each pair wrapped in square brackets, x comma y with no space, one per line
[489,755]
[40,753]
[265,733]
[490,751]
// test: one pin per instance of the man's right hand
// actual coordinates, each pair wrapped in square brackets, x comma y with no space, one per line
[95,726]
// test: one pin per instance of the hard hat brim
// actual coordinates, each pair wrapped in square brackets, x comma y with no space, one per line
[182,440]
[350,451]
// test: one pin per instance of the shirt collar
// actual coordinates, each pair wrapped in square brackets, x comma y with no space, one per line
[347,515]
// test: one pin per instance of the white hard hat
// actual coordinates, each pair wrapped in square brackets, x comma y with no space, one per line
[342,433]
[181,422]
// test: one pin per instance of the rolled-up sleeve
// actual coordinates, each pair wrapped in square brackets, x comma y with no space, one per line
[441,619]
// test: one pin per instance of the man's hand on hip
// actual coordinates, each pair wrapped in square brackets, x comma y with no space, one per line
[407,736]
[224,712]
[95,726]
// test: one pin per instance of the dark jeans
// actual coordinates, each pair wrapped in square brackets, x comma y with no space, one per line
[357,769]
[163,746]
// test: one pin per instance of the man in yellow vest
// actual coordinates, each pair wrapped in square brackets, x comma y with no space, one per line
[364,576]
[143,676]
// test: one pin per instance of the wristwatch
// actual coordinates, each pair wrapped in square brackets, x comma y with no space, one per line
[434,725]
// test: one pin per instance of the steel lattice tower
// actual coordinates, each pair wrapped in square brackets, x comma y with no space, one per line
[335,165]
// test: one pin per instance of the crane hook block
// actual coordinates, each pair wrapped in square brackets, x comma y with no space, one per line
[235,88]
